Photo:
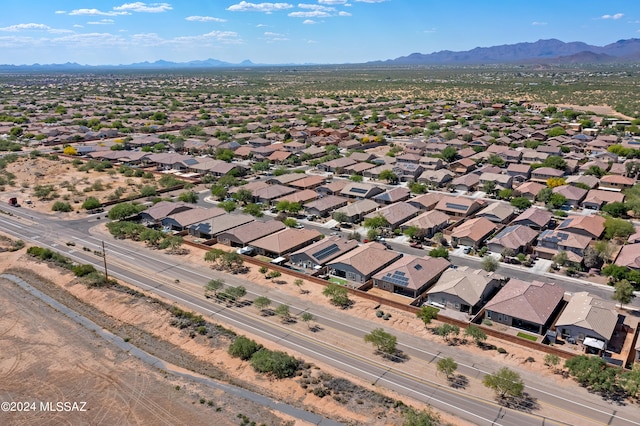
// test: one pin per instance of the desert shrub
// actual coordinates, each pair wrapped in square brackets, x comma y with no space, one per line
[278,363]
[82,270]
[243,348]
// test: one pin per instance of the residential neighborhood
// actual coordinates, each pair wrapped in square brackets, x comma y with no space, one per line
[389,199]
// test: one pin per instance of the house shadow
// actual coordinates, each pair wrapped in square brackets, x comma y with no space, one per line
[397,356]
[315,328]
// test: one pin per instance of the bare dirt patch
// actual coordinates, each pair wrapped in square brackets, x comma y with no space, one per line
[61,180]
[48,357]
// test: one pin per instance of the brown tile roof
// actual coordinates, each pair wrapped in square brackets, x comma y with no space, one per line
[367,259]
[286,240]
[474,229]
[253,230]
[593,225]
[418,270]
[540,217]
[530,301]
[629,256]
[590,313]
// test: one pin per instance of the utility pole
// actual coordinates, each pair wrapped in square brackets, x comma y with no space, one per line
[104,258]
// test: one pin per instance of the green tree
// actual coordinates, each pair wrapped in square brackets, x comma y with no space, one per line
[555,162]
[219,192]
[298,282]
[505,194]
[234,294]
[125,210]
[560,258]
[616,209]
[228,206]
[214,285]
[489,264]
[188,197]
[521,203]
[496,160]
[262,303]
[623,292]
[376,222]
[389,176]
[337,294]
[446,330]
[174,242]
[439,252]
[243,348]
[290,222]
[447,366]
[384,342]
[427,314]
[505,382]
[340,217]
[284,312]
[307,317]
[489,186]
[356,178]
[476,334]
[91,203]
[243,196]
[449,154]
[617,228]
[556,201]
[253,209]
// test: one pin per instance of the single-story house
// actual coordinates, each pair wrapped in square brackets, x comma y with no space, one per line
[410,275]
[591,226]
[518,238]
[359,190]
[472,232]
[210,228]
[458,207]
[629,256]
[395,214]
[497,212]
[360,264]
[393,195]
[437,178]
[573,194]
[325,205]
[321,252]
[588,320]
[182,220]
[244,234]
[464,289]
[534,218]
[550,242]
[529,190]
[154,214]
[598,198]
[530,306]
[432,222]
[356,211]
[284,242]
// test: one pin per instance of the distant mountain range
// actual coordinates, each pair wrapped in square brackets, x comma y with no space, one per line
[540,52]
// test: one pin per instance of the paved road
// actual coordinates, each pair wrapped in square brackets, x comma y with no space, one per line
[157,272]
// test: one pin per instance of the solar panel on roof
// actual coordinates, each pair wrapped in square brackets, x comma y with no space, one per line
[325,252]
[566,223]
[358,190]
[455,206]
[417,267]
[397,278]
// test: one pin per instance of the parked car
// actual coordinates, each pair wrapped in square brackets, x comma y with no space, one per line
[335,228]
[466,250]
[299,226]
[416,245]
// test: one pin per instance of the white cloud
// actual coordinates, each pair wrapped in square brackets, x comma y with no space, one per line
[332,2]
[615,17]
[261,26]
[96,12]
[26,27]
[370,1]
[60,12]
[33,27]
[343,13]
[144,8]
[430,31]
[538,24]
[312,14]
[309,22]
[270,34]
[275,36]
[101,22]
[316,7]
[204,19]
[244,6]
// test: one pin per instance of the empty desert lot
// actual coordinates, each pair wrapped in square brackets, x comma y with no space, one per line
[46,356]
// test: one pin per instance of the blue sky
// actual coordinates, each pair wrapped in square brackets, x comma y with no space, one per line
[317,31]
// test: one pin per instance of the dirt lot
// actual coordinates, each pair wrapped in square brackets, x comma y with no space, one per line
[48,357]
[68,184]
